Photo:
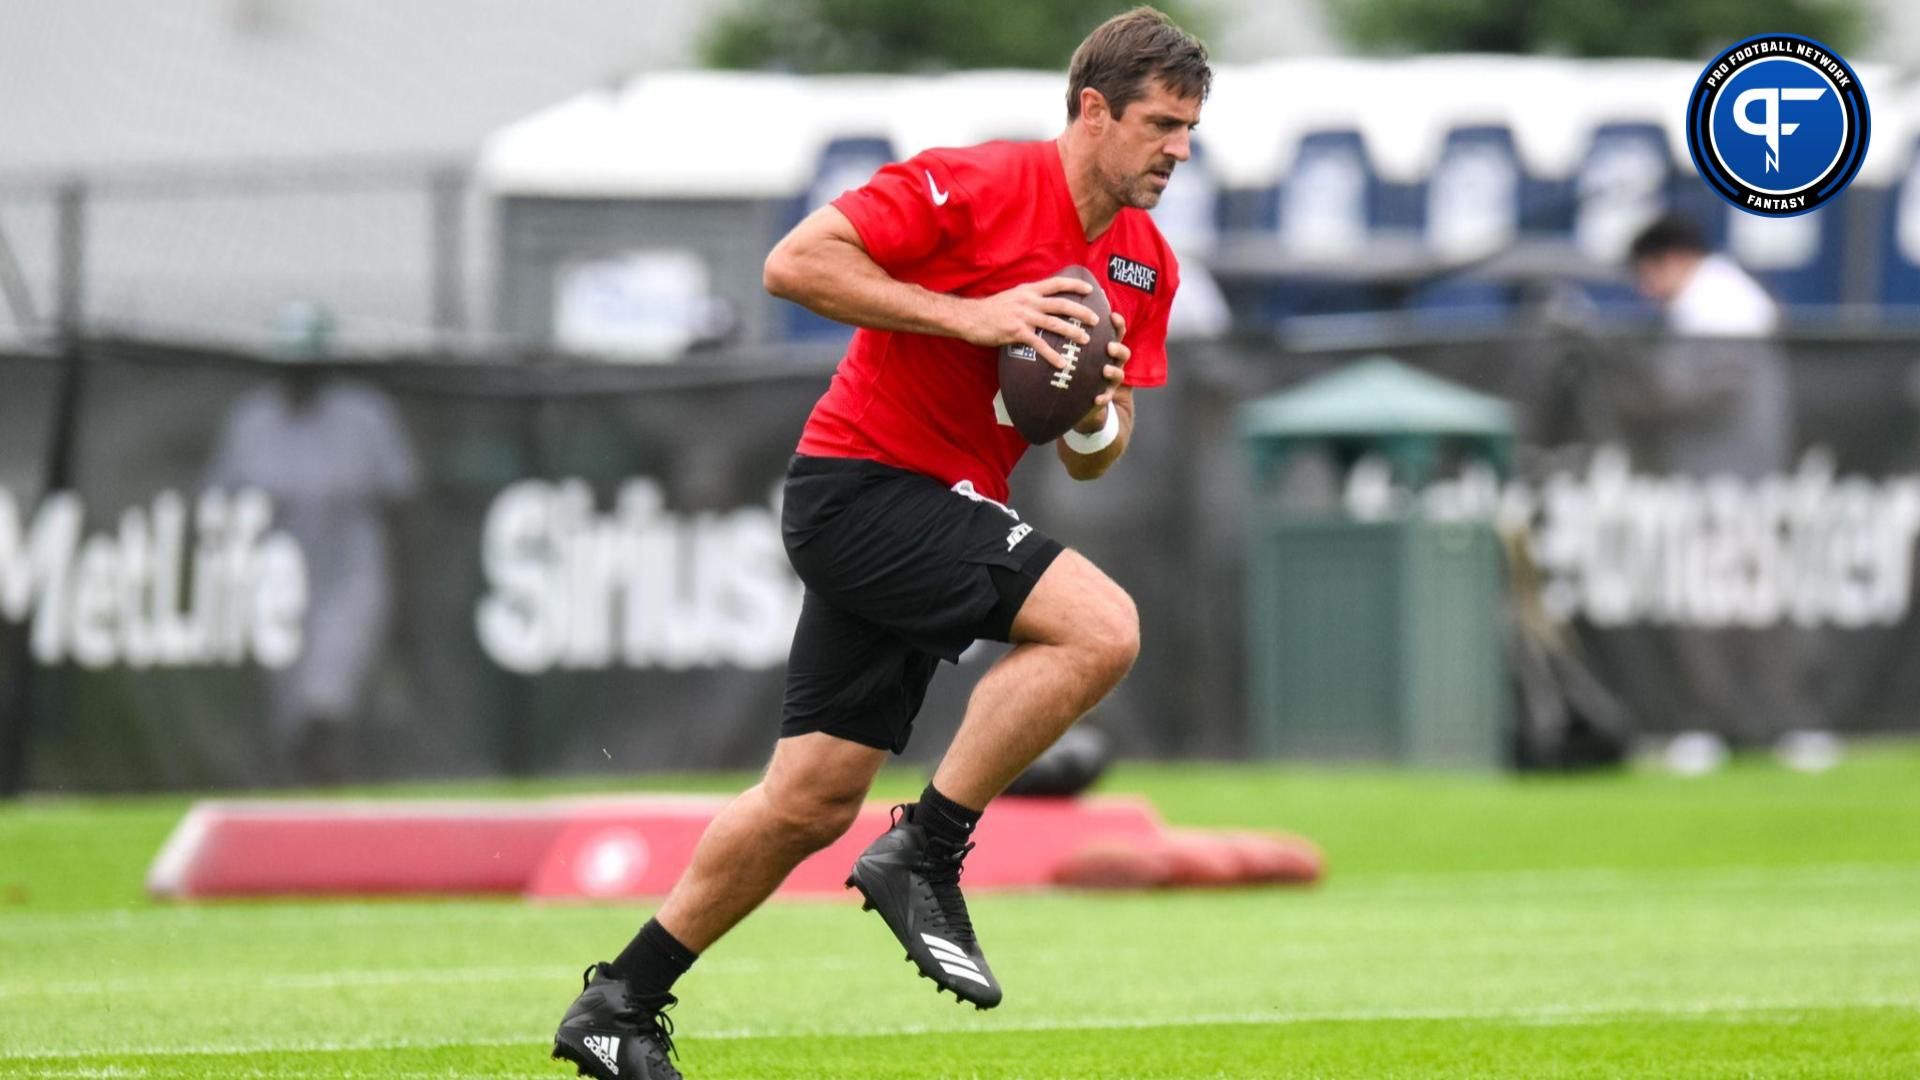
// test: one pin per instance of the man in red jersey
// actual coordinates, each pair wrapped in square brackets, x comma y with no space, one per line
[897,519]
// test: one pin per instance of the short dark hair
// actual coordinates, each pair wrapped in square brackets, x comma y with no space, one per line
[1667,236]
[1122,53]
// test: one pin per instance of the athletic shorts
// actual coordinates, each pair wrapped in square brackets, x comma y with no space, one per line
[901,572]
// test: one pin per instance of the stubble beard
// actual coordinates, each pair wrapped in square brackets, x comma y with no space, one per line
[1138,192]
[1142,194]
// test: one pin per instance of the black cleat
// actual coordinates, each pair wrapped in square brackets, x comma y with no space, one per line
[913,881]
[610,1033]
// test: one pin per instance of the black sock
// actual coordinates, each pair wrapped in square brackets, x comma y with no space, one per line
[945,818]
[652,960]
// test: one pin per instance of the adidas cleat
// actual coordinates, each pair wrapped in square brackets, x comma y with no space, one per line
[913,881]
[610,1033]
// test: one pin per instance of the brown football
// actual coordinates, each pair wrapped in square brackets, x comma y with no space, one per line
[1044,401]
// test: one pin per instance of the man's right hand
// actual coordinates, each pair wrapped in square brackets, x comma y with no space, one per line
[1017,316]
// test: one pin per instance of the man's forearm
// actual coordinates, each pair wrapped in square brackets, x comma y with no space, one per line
[1095,465]
[836,279]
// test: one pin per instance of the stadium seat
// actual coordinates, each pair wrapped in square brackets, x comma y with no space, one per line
[1900,235]
[845,163]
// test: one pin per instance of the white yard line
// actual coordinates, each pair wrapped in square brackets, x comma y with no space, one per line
[1610,881]
[327,980]
[230,1072]
[306,912]
[1582,880]
[350,978]
[1549,1015]
[1886,934]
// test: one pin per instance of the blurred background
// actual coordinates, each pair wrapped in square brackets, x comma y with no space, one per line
[387,391]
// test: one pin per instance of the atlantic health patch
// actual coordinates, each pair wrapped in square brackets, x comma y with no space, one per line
[1125,271]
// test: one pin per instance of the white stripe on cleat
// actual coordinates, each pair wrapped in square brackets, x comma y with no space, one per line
[964,973]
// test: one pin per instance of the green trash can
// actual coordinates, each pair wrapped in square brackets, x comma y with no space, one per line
[1375,636]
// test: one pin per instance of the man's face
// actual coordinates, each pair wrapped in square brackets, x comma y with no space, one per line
[1661,277]
[1135,153]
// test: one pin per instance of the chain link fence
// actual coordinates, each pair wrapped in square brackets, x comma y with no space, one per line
[374,257]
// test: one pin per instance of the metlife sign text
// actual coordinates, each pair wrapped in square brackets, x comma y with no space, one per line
[165,588]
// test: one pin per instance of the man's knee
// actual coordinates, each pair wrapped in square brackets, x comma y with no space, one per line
[1077,606]
[813,813]
[1106,633]
[1113,636]
[813,819]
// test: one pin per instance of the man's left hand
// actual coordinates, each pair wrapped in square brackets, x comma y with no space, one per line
[1115,374]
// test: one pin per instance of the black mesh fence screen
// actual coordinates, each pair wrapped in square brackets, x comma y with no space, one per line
[573,569]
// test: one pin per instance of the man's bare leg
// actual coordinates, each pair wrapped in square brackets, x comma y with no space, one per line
[809,797]
[1077,635]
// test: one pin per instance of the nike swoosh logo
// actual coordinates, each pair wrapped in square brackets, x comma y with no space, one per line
[939,197]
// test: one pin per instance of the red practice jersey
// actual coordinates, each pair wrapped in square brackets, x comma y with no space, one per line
[973,222]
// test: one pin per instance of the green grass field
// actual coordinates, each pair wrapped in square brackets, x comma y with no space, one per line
[1753,923]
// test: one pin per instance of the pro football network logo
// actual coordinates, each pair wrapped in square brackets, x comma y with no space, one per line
[1777,125]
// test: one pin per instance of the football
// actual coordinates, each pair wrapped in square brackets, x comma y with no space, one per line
[1044,401]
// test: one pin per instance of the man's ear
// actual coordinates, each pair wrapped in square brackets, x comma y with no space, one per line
[1093,109]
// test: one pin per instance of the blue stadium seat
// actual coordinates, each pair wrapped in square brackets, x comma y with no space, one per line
[845,163]
[1797,258]
[1627,178]
[1478,200]
[1328,208]
[1899,233]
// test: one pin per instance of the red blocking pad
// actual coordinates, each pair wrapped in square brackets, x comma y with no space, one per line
[561,849]
[342,848]
[1021,842]
[362,848]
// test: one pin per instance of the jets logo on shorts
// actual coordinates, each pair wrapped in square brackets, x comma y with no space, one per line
[1777,125]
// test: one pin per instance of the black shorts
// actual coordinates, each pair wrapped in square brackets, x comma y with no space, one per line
[901,572]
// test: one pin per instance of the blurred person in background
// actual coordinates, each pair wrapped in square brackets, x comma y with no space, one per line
[1711,400]
[335,461]
[1716,390]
